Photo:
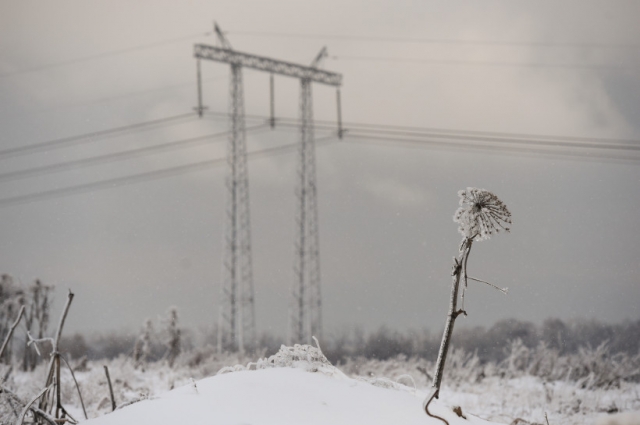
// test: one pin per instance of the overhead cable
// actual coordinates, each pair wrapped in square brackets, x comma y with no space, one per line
[582,154]
[431,130]
[116,156]
[104,54]
[95,135]
[595,67]
[144,177]
[422,40]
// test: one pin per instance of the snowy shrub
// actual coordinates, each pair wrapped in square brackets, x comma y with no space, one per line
[305,357]
[142,347]
[173,338]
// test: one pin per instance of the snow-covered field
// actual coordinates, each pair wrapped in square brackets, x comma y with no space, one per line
[315,392]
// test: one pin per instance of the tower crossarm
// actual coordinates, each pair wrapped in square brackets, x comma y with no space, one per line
[262,63]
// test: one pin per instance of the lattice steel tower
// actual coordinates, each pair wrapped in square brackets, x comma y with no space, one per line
[237,316]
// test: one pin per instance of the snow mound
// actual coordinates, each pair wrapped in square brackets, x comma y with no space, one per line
[279,390]
[305,357]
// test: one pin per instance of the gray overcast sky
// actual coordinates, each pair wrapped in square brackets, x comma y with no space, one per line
[386,233]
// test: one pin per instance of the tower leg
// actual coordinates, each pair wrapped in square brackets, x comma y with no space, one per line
[236,328]
[305,308]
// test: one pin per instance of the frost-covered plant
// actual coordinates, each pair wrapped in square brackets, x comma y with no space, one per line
[142,347]
[11,299]
[481,214]
[173,336]
[299,356]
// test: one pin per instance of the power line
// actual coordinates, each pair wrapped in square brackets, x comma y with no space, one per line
[493,133]
[514,143]
[144,177]
[117,156]
[519,150]
[505,140]
[430,130]
[604,67]
[105,54]
[376,39]
[509,142]
[93,136]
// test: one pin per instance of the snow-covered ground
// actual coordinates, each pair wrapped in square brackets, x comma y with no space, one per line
[283,396]
[295,388]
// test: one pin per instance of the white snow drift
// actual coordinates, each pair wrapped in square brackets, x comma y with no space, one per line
[296,386]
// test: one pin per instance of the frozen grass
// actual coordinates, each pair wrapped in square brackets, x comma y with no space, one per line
[528,384]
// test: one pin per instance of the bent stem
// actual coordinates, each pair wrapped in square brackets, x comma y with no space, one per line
[427,401]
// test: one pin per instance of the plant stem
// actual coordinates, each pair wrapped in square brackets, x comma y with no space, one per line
[459,268]
[10,333]
[113,400]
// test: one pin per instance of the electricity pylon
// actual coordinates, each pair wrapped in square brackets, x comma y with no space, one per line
[237,320]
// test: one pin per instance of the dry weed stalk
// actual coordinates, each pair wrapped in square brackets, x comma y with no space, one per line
[481,214]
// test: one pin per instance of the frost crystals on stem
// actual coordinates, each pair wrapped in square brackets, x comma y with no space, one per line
[481,214]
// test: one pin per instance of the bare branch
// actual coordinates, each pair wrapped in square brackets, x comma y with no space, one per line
[113,400]
[53,374]
[62,319]
[28,405]
[77,386]
[503,290]
[10,334]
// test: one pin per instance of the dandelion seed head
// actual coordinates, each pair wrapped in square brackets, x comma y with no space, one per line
[481,214]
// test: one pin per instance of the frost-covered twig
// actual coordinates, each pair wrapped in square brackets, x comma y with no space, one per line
[28,405]
[13,396]
[53,374]
[73,375]
[35,342]
[451,316]
[11,329]
[503,290]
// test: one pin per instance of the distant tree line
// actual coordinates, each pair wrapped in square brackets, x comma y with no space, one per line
[490,344]
[169,340]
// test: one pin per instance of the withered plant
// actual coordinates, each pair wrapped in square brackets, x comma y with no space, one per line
[480,215]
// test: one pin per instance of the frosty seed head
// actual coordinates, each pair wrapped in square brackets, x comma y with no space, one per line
[481,214]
